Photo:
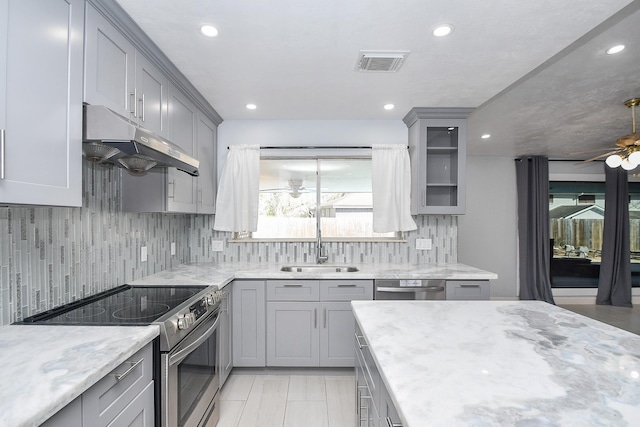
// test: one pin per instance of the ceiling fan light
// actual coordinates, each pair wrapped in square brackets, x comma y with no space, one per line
[627,165]
[613,161]
[634,158]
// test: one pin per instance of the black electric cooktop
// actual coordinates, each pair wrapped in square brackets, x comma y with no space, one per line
[124,305]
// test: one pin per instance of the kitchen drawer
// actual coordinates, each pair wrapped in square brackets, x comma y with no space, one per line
[293,290]
[467,290]
[110,396]
[346,290]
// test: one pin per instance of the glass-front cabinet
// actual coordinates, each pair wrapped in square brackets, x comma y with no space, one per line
[437,147]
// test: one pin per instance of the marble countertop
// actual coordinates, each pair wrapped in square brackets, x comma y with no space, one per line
[45,367]
[496,363]
[64,361]
[223,273]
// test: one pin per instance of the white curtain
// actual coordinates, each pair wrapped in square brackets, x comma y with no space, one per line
[237,201]
[391,185]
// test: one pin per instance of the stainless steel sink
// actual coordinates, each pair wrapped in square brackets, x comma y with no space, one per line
[319,268]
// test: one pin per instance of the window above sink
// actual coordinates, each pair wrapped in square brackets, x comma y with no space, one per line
[292,188]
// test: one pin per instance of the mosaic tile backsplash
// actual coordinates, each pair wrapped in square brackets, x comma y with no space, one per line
[51,256]
[441,229]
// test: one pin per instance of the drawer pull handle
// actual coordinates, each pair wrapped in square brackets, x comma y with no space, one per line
[391,423]
[120,377]
[360,345]
[352,285]
[469,285]
[293,286]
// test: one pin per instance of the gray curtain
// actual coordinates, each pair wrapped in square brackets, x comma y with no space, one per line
[532,176]
[614,287]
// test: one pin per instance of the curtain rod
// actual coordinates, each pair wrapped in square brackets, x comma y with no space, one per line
[329,147]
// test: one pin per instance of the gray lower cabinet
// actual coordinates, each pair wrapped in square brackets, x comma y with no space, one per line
[467,290]
[41,102]
[124,397]
[248,319]
[225,346]
[310,322]
[336,334]
[388,414]
[292,334]
[374,407]
[69,416]
[367,384]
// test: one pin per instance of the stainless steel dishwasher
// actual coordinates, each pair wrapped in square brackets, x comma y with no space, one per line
[412,289]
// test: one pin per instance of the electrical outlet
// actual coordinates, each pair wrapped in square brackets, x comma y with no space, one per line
[173,248]
[217,245]
[143,254]
[423,244]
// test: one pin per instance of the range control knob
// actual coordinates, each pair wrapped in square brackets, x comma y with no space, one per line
[218,296]
[184,322]
[210,299]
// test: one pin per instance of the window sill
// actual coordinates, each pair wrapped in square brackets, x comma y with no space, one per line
[324,240]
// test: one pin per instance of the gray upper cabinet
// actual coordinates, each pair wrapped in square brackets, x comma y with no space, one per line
[181,186]
[151,93]
[110,66]
[207,137]
[437,147]
[171,190]
[41,80]
[121,78]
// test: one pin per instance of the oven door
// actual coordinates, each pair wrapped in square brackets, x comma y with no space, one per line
[189,390]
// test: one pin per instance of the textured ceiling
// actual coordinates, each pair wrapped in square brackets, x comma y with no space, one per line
[537,69]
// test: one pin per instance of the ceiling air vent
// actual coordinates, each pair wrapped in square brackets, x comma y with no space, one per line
[379,61]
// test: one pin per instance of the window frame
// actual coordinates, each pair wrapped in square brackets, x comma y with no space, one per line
[237,237]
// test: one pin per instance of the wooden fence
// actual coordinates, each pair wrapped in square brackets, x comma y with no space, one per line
[588,232]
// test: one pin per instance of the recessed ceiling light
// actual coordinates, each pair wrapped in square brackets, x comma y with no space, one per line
[389,106]
[615,49]
[209,30]
[485,136]
[251,106]
[443,30]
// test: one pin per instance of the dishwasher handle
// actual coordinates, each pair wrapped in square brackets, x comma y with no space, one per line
[423,289]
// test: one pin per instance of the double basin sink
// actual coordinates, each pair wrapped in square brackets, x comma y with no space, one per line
[319,268]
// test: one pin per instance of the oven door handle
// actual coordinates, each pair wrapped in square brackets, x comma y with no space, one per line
[182,353]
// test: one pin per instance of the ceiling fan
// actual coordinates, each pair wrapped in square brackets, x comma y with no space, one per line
[627,155]
[294,188]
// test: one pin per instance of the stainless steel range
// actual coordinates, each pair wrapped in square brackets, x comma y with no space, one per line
[187,359]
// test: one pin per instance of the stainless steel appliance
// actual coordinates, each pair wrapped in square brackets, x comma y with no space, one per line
[109,137]
[187,366]
[410,289]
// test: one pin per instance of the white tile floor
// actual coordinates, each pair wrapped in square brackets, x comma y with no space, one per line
[299,400]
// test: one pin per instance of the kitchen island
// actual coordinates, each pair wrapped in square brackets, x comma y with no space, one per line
[496,363]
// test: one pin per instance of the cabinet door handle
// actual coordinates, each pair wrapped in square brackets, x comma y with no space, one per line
[2,153]
[315,318]
[172,193]
[142,107]
[360,345]
[391,423]
[133,97]
[120,377]
[325,318]
[199,196]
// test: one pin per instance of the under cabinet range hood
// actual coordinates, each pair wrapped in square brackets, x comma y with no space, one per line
[109,137]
